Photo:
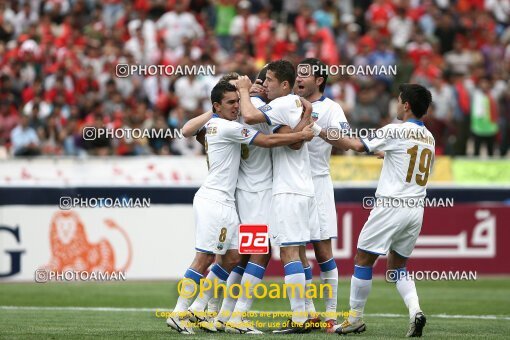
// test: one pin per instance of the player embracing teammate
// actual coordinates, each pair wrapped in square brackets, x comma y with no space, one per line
[302,207]
[293,209]
[216,217]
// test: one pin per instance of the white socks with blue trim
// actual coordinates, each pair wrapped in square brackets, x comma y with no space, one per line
[309,306]
[329,277]
[407,290]
[184,302]
[295,282]
[361,284]
[217,275]
[253,275]
[229,302]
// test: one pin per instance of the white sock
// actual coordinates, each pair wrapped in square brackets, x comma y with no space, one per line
[295,275]
[253,275]
[213,306]
[329,277]
[309,306]
[361,284]
[229,302]
[407,290]
[184,302]
[218,276]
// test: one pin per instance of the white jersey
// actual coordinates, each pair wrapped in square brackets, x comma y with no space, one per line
[327,114]
[291,168]
[223,141]
[409,155]
[256,171]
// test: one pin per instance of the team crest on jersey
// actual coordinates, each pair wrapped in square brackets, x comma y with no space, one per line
[315,116]
[245,132]
[265,108]
[220,246]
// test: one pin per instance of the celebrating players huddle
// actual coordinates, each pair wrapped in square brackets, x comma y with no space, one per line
[268,156]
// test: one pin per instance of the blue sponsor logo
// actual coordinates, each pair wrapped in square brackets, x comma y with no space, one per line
[345,126]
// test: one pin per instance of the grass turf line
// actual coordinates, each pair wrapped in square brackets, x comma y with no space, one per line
[482,297]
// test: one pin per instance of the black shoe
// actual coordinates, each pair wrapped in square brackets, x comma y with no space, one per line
[294,328]
[416,325]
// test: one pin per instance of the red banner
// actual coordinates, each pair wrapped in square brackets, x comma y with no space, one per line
[466,237]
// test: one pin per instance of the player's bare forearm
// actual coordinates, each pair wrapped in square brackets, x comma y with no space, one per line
[286,129]
[193,125]
[305,120]
[250,113]
[344,143]
[283,139]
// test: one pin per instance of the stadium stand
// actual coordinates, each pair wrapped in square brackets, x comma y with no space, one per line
[58,61]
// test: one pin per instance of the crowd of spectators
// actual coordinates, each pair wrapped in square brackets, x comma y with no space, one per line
[58,66]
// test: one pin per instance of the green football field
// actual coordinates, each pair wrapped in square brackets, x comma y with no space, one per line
[460,309]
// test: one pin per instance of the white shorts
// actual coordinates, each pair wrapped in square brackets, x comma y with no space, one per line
[326,207]
[291,220]
[391,229]
[217,226]
[253,207]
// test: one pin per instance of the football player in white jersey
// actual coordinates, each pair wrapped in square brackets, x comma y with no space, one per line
[293,208]
[215,214]
[310,84]
[409,154]
[253,198]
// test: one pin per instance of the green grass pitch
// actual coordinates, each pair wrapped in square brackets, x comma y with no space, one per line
[50,310]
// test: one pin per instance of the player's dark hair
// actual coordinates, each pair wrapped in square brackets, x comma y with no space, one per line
[262,74]
[283,70]
[218,92]
[230,76]
[320,71]
[418,97]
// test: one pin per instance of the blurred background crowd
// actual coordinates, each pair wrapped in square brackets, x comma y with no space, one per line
[58,58]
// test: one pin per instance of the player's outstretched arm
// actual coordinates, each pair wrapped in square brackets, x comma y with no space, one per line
[282,139]
[251,114]
[345,143]
[193,125]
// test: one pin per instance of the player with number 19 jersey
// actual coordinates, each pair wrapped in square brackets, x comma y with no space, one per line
[404,175]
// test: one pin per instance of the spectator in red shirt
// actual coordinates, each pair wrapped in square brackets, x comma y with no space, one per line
[379,14]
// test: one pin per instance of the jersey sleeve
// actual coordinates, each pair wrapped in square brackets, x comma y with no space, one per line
[238,133]
[261,106]
[383,140]
[276,111]
[257,102]
[338,119]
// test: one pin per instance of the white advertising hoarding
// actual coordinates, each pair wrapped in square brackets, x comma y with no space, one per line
[147,243]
